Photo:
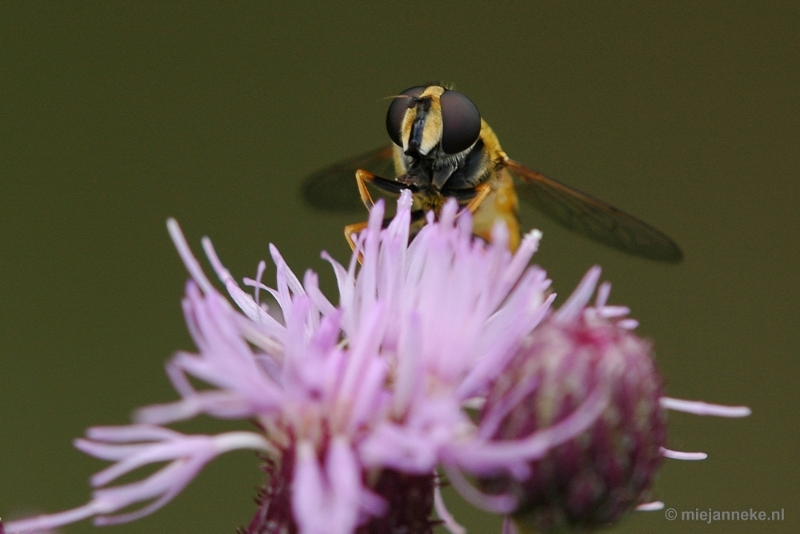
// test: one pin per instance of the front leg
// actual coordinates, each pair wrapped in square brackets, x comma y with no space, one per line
[362,177]
[390,186]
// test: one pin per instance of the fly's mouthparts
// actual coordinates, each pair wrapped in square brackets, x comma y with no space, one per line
[414,182]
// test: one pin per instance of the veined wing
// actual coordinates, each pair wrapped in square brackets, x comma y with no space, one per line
[592,217]
[334,188]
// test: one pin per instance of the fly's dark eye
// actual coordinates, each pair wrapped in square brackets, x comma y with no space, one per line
[397,110]
[461,122]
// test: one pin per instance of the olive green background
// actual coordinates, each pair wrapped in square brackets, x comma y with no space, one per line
[115,116]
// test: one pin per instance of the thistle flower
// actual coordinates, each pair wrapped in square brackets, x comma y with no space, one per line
[355,404]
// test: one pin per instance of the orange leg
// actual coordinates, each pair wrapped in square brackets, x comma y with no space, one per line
[481,192]
[362,177]
[352,229]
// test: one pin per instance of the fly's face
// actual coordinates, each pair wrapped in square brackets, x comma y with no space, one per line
[435,129]
[423,118]
[419,128]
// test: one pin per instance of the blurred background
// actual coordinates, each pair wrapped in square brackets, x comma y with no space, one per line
[114,117]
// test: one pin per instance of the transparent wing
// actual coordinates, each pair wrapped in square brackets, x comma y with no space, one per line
[593,218]
[334,188]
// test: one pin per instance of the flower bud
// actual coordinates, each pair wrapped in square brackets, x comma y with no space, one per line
[592,479]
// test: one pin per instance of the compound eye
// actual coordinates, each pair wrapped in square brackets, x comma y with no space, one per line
[397,110]
[461,122]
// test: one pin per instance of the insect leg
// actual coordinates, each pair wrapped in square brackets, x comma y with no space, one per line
[352,229]
[481,192]
[362,177]
[394,186]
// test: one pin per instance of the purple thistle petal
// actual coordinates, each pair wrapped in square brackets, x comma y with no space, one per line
[678,455]
[499,504]
[445,515]
[487,456]
[326,498]
[704,408]
[576,303]
[187,456]
[650,506]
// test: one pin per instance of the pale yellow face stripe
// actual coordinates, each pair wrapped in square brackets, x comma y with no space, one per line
[432,133]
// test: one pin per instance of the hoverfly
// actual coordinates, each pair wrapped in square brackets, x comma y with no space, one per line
[442,149]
